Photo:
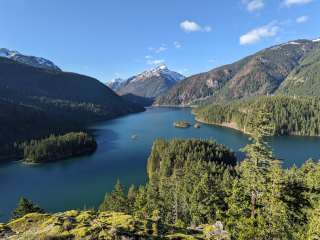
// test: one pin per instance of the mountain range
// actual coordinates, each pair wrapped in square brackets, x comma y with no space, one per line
[290,68]
[37,98]
[149,84]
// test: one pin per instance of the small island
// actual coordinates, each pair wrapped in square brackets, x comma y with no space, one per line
[181,124]
[55,148]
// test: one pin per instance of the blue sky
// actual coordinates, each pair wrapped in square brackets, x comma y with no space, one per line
[118,38]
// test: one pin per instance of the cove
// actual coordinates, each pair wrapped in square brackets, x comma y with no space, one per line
[82,182]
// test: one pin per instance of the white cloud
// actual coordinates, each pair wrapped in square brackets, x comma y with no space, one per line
[254,5]
[155,61]
[190,26]
[257,34]
[290,3]
[302,19]
[177,44]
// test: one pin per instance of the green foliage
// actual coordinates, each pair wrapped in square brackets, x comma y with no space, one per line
[259,74]
[116,201]
[56,148]
[288,115]
[314,224]
[75,225]
[194,183]
[186,183]
[36,103]
[304,80]
[24,207]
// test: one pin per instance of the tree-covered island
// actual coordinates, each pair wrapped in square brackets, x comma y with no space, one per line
[56,148]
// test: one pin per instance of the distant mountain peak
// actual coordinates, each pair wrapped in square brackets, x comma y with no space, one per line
[316,40]
[33,61]
[157,71]
[150,83]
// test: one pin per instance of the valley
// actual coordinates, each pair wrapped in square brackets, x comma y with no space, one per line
[79,137]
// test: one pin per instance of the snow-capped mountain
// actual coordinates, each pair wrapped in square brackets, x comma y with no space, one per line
[37,62]
[150,84]
[161,70]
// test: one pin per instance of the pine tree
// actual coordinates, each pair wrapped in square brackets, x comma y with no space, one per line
[116,200]
[256,200]
[140,203]
[131,198]
[24,207]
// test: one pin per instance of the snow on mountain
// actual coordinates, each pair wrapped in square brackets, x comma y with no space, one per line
[316,40]
[37,62]
[157,72]
[148,84]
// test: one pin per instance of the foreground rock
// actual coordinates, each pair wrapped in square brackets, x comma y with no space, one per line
[99,225]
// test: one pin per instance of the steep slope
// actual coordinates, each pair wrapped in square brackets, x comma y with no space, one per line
[29,60]
[20,80]
[287,115]
[37,101]
[141,101]
[201,86]
[258,74]
[149,84]
[304,80]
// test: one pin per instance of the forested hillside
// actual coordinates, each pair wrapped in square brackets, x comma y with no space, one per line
[189,186]
[37,102]
[259,74]
[288,115]
[304,80]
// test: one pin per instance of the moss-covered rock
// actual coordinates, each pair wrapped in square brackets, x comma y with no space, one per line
[89,225]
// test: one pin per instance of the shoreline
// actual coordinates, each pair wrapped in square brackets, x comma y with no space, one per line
[230,125]
[174,106]
[226,125]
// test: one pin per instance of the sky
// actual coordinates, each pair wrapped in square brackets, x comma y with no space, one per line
[108,39]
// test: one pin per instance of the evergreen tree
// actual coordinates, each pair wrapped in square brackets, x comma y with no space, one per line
[116,200]
[24,207]
[131,198]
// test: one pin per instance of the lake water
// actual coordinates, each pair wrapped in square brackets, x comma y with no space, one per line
[82,182]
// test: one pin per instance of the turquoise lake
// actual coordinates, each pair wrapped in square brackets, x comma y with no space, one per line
[82,182]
